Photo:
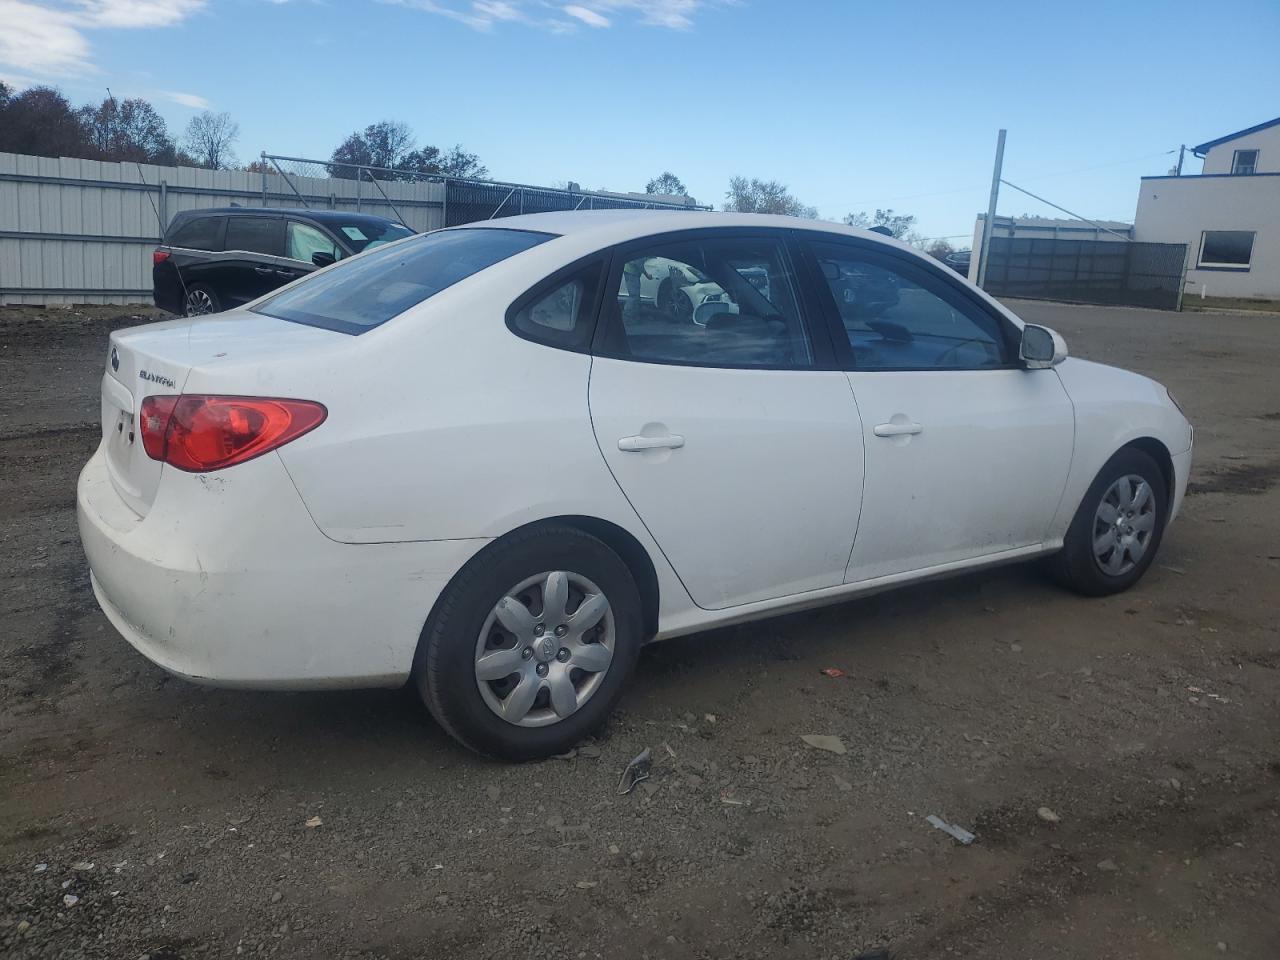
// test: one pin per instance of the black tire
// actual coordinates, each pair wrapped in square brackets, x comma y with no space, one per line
[195,291]
[1076,566]
[444,667]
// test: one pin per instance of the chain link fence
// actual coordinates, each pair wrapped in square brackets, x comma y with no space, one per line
[1088,271]
[403,194]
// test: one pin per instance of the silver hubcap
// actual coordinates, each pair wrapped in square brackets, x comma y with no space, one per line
[199,302]
[544,649]
[1123,525]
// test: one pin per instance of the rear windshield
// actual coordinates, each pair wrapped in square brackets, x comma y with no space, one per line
[370,233]
[359,294]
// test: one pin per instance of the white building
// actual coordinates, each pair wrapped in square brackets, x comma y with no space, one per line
[1228,215]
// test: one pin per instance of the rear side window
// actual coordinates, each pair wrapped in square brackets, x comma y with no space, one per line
[559,312]
[254,235]
[200,233]
[359,294]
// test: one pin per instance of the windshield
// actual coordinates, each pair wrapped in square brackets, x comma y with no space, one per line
[370,233]
[359,294]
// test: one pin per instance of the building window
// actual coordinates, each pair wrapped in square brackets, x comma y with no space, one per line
[1226,249]
[1245,162]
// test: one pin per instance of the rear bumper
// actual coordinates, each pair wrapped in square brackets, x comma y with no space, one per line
[228,582]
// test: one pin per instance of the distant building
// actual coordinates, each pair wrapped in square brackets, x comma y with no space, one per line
[1228,215]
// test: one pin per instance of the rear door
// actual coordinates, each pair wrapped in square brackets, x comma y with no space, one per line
[727,426]
[251,263]
[967,452]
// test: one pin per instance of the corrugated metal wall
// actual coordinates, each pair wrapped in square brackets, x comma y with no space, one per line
[82,231]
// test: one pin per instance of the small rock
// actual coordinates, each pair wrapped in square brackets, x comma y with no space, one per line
[83,865]
[314,822]
[70,900]
[1175,783]
[1222,947]
[689,718]
[190,877]
[1048,816]
[443,900]
[277,897]
[41,867]
[23,926]
[843,785]
[585,884]
[823,742]
[493,792]
[1107,866]
[589,752]
[709,717]
[614,849]
[1015,648]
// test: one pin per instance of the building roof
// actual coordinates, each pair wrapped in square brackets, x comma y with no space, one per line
[1200,149]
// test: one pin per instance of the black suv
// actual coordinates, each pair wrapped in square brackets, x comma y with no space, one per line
[212,260]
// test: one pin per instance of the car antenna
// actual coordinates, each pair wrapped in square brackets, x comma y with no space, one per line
[181,280]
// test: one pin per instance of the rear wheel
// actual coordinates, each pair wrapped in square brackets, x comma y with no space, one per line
[200,299]
[1117,530]
[530,646]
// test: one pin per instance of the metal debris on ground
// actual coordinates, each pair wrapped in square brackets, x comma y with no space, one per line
[959,833]
[637,770]
[821,741]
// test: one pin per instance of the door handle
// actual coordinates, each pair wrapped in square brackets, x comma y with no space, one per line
[263,271]
[897,429]
[639,444]
[290,274]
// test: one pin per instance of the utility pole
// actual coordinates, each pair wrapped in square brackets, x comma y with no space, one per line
[988,228]
[1182,148]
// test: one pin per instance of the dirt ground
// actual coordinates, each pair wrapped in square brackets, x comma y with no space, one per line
[1147,723]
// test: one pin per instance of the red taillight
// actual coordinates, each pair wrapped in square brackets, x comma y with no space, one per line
[159,256]
[202,433]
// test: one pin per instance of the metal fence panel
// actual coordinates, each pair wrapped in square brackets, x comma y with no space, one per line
[1088,271]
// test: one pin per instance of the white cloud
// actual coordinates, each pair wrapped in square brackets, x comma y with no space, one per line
[588,16]
[484,14]
[47,40]
[186,99]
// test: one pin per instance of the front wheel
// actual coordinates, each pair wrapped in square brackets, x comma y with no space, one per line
[1117,530]
[530,646]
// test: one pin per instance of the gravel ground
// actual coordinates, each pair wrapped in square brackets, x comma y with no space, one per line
[142,816]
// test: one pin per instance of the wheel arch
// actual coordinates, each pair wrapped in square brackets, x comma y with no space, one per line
[1158,452]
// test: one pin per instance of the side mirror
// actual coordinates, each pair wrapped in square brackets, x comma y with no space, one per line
[1041,347]
[323,259]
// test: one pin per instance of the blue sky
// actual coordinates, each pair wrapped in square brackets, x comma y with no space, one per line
[854,105]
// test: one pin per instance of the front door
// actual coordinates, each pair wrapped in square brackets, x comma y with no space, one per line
[966,451]
[741,456]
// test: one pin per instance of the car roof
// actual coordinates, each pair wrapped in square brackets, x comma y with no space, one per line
[322,216]
[606,227]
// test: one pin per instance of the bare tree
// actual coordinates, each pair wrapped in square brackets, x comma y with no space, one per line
[765,196]
[899,225]
[667,183]
[209,139]
[127,130]
[40,121]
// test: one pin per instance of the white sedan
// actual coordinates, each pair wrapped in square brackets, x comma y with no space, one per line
[473,460]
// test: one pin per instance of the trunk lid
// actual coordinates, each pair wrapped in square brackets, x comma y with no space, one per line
[157,359]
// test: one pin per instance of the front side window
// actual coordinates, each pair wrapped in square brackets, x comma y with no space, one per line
[1245,162]
[1227,249]
[360,293]
[201,233]
[303,241]
[723,302]
[900,317]
[254,235]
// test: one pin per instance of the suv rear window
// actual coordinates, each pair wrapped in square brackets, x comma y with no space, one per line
[359,294]
[200,233]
